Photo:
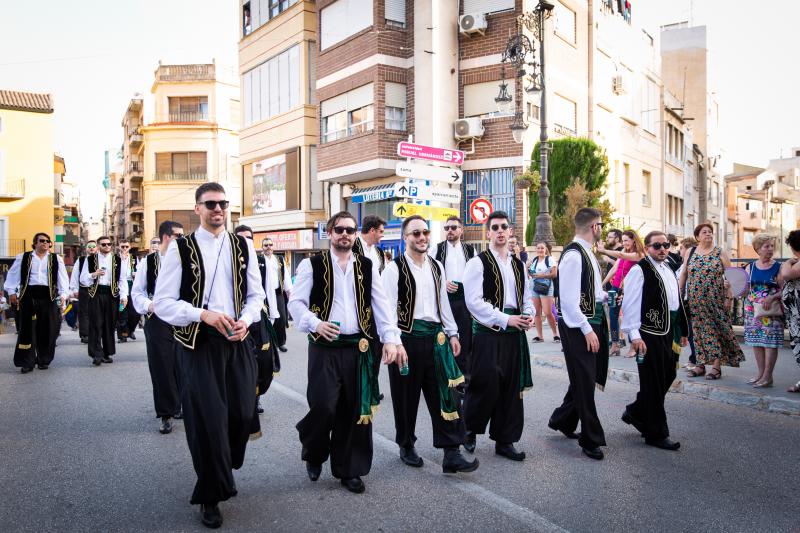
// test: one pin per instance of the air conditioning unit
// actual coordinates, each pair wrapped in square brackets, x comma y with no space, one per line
[472,23]
[618,85]
[468,128]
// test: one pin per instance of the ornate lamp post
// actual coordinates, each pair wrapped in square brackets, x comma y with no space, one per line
[520,53]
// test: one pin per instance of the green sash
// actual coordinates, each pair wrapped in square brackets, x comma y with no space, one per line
[368,393]
[447,372]
[525,375]
[676,334]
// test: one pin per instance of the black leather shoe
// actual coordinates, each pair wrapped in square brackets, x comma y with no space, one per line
[178,415]
[43,367]
[595,453]
[313,471]
[455,462]
[106,360]
[509,452]
[282,348]
[628,419]
[568,434]
[132,336]
[26,369]
[353,484]
[410,457]
[166,425]
[96,361]
[123,339]
[470,443]
[85,340]
[664,444]
[259,409]
[210,515]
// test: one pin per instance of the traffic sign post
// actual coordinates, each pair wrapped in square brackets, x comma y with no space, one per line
[440,214]
[480,209]
[417,171]
[430,153]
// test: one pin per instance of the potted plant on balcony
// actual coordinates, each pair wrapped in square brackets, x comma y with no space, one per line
[528,179]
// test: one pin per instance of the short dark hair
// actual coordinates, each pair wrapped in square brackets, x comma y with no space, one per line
[265,239]
[123,241]
[36,238]
[210,186]
[656,233]
[241,227]
[699,228]
[585,215]
[407,220]
[339,216]
[166,227]
[793,239]
[496,215]
[616,232]
[103,237]
[91,240]
[371,222]
[672,239]
[453,217]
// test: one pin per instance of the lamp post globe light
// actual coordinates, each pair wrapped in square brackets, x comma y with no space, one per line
[520,54]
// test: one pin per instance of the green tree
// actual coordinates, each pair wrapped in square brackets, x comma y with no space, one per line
[577,196]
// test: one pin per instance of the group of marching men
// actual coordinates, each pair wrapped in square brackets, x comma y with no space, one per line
[449,324]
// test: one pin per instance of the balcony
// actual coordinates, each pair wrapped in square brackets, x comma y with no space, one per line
[135,170]
[11,247]
[781,192]
[202,72]
[183,176]
[135,137]
[135,204]
[71,240]
[187,117]
[12,190]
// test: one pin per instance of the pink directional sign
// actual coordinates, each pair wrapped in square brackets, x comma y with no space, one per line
[430,153]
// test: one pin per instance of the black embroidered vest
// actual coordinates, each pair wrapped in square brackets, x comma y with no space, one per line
[587,296]
[262,267]
[153,266]
[52,274]
[493,287]
[116,274]
[655,316]
[441,251]
[132,265]
[407,292]
[194,278]
[358,248]
[81,262]
[321,297]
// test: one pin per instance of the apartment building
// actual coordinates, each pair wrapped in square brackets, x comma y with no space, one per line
[681,201]
[281,195]
[188,137]
[66,206]
[129,186]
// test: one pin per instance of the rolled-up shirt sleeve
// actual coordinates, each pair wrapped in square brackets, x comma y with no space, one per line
[305,320]
[139,291]
[480,309]
[254,300]
[632,303]
[569,292]
[166,301]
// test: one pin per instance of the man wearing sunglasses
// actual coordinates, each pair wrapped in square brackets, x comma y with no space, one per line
[281,280]
[654,319]
[38,286]
[583,327]
[81,292]
[334,299]
[128,317]
[209,290]
[454,254]
[415,286]
[499,299]
[161,350]
[104,274]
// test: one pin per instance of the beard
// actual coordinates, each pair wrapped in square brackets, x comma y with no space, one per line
[343,246]
[419,248]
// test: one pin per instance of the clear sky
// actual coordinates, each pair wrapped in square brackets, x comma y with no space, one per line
[94,55]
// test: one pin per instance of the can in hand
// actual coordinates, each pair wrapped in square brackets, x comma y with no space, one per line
[338,326]
[404,370]
[639,357]
[612,297]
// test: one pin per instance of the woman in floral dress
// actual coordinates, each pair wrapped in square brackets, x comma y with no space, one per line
[709,302]
[790,272]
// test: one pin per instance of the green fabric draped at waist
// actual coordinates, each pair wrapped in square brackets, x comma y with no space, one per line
[599,315]
[369,393]
[525,373]
[676,332]
[445,368]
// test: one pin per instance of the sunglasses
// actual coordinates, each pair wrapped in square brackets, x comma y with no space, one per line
[350,230]
[92,246]
[660,245]
[177,235]
[124,246]
[104,244]
[155,242]
[43,241]
[268,245]
[450,228]
[496,227]
[418,232]
[211,205]
[601,224]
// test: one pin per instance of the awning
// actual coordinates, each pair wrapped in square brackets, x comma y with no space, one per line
[372,194]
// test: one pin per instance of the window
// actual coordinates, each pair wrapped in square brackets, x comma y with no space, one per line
[747,206]
[564,25]
[344,18]
[479,98]
[747,237]
[383,208]
[187,218]
[651,107]
[564,116]
[256,13]
[487,6]
[395,13]
[348,114]
[533,112]
[715,193]
[188,108]
[673,144]
[497,185]
[177,166]
[647,183]
[674,210]
[395,108]
[273,87]
[272,184]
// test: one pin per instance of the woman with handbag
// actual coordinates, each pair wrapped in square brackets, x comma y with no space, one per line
[763,315]
[543,271]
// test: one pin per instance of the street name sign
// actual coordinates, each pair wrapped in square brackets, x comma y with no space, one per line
[480,209]
[417,171]
[430,153]
[416,191]
[404,210]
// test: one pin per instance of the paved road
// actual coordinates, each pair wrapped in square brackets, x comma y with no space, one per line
[81,452]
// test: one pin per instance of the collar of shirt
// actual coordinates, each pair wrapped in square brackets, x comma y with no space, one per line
[600,294]
[414,264]
[350,260]
[670,282]
[500,260]
[425,300]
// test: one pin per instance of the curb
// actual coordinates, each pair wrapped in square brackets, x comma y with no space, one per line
[698,390]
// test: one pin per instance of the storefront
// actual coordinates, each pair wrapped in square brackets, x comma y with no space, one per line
[292,245]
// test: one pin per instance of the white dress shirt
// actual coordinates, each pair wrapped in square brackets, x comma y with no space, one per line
[269,290]
[141,300]
[127,271]
[343,307]
[632,302]
[38,276]
[454,261]
[371,252]
[425,298]
[273,271]
[569,272]
[104,261]
[217,293]
[482,310]
[75,277]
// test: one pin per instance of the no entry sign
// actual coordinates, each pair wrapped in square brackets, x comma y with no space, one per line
[480,209]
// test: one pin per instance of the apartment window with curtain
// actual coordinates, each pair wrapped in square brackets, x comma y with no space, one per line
[188,108]
[395,106]
[181,166]
[647,184]
[273,87]
[344,18]
[256,13]
[348,114]
[496,185]
[395,13]
[479,99]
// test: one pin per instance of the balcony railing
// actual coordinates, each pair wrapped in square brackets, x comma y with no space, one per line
[135,167]
[12,190]
[135,203]
[189,116]
[182,176]
[185,72]
[11,247]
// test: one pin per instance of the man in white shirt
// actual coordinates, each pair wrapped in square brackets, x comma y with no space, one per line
[38,286]
[583,325]
[103,273]
[128,317]
[418,304]
[81,292]
[281,280]
[209,290]
[372,230]
[335,296]
[499,300]
[162,356]
[655,321]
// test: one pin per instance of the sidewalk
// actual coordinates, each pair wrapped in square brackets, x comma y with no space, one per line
[732,388]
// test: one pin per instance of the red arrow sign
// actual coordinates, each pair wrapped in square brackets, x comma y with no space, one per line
[480,209]
[430,153]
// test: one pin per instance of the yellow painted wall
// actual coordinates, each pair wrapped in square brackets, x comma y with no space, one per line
[26,140]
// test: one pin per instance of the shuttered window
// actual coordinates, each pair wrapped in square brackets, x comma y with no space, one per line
[396,12]
[173,166]
[479,98]
[487,6]
[395,95]
[348,114]
[564,25]
[564,116]
[273,87]
[342,19]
